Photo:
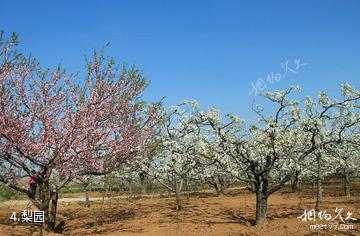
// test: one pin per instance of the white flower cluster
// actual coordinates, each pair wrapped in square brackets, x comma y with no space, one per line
[200,146]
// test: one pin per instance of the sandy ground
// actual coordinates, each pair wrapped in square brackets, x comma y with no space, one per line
[203,214]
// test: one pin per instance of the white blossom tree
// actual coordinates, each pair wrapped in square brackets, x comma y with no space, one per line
[175,161]
[268,153]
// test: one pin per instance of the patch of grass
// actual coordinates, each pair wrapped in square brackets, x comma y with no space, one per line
[6,193]
[72,190]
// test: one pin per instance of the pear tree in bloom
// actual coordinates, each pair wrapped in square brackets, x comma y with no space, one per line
[262,153]
[215,174]
[127,176]
[175,161]
[347,163]
[50,126]
[346,152]
[216,168]
[329,121]
[318,166]
[268,153]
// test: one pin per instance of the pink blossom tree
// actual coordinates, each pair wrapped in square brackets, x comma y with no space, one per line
[52,126]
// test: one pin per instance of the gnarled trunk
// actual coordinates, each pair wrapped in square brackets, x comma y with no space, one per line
[318,185]
[178,187]
[261,208]
[346,185]
[87,198]
[219,190]
[146,183]
[187,189]
[261,187]
[130,196]
[223,185]
[53,210]
[295,182]
[220,184]
[87,189]
[44,194]
[295,186]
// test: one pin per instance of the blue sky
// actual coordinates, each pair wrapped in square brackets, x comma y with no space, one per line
[212,51]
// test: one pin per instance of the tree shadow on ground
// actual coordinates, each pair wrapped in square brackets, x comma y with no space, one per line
[99,220]
[237,192]
[240,218]
[202,194]
[28,229]
[346,201]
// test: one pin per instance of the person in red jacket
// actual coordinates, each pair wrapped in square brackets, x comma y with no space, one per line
[33,182]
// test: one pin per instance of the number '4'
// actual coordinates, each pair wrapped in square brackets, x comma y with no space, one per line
[13,216]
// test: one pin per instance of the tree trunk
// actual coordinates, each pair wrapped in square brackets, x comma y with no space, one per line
[295,184]
[178,200]
[187,189]
[224,184]
[313,184]
[53,211]
[346,185]
[214,185]
[46,224]
[318,195]
[87,200]
[178,187]
[318,185]
[143,183]
[251,187]
[218,185]
[261,187]
[130,191]
[261,208]
[218,190]
[87,190]
[44,195]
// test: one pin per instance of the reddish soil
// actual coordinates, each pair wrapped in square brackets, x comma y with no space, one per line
[203,214]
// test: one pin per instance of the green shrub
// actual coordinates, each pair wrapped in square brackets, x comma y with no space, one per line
[6,193]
